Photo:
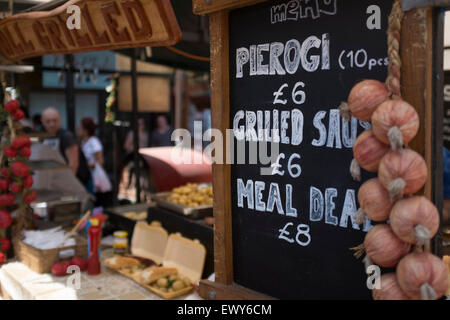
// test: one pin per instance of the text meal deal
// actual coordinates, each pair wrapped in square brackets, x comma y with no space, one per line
[291,66]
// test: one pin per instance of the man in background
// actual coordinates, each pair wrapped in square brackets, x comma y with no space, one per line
[66,143]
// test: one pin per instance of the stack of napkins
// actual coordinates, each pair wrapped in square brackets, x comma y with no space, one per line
[22,283]
[48,239]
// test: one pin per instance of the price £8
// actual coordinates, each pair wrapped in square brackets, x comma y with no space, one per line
[300,236]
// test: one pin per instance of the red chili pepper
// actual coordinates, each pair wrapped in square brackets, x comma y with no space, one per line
[6,199]
[28,182]
[60,269]
[12,106]
[26,152]
[2,258]
[18,114]
[20,142]
[15,187]
[20,169]
[4,184]
[30,196]
[10,152]
[5,244]
[81,263]
[4,172]
[5,219]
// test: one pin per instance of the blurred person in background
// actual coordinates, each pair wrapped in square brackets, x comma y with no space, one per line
[64,141]
[128,170]
[143,137]
[92,149]
[161,135]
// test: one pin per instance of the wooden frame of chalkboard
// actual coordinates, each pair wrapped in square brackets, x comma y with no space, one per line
[422,72]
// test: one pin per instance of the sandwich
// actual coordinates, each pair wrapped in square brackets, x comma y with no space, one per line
[153,274]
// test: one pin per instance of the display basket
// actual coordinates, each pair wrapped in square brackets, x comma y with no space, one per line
[42,261]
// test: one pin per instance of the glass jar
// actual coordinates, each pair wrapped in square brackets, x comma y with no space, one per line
[120,244]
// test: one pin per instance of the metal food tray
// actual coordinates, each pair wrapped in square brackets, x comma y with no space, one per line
[191,212]
[37,165]
[122,210]
[118,221]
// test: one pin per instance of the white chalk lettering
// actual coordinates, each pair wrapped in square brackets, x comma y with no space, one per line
[274,198]
[296,10]
[349,210]
[245,191]
[316,204]
[268,58]
[259,187]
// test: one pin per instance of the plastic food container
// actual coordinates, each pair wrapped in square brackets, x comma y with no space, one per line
[171,251]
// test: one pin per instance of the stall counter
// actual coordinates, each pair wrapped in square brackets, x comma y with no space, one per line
[18,282]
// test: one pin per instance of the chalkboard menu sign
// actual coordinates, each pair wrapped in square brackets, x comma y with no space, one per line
[291,65]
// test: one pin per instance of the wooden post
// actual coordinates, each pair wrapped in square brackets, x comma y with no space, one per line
[438,126]
[422,75]
[220,102]
[134,123]
[178,93]
[70,93]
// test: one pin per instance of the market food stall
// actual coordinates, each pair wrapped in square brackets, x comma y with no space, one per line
[106,25]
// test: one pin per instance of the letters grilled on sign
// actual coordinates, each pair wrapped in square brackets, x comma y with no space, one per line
[105,25]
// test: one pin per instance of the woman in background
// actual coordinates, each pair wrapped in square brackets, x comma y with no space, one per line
[93,151]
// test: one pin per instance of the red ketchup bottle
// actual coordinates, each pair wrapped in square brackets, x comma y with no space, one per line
[94,240]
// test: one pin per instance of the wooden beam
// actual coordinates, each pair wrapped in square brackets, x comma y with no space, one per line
[210,6]
[139,24]
[437,79]
[220,111]
[217,291]
[416,54]
[422,73]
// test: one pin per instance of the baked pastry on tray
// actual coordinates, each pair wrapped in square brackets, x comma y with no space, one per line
[119,262]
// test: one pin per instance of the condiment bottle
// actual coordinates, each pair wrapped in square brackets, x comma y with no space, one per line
[120,244]
[94,240]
